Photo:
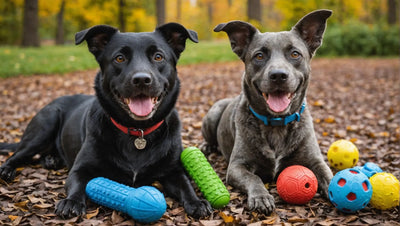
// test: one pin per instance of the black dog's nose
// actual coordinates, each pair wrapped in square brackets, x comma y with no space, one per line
[278,75]
[141,78]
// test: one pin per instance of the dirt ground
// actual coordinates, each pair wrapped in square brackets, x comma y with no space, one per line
[354,99]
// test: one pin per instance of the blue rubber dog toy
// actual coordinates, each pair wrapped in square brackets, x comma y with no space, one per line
[145,204]
[369,169]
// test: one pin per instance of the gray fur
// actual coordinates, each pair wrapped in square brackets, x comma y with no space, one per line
[257,153]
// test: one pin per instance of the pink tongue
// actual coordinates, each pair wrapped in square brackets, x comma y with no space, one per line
[278,102]
[141,106]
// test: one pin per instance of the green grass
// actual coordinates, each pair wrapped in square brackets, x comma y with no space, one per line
[62,59]
[207,52]
[44,60]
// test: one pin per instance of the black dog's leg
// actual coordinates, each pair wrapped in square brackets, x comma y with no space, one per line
[74,204]
[85,168]
[178,186]
[52,161]
[39,136]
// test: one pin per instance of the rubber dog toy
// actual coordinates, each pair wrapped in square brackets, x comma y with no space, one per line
[205,177]
[342,154]
[350,190]
[297,185]
[369,169]
[385,193]
[145,204]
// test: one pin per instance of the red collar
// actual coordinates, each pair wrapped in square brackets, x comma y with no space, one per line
[134,131]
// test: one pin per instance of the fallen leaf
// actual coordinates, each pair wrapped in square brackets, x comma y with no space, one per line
[351,218]
[12,217]
[35,200]
[177,211]
[329,119]
[197,125]
[318,103]
[43,206]
[226,218]
[22,205]
[211,222]
[91,214]
[258,223]
[115,218]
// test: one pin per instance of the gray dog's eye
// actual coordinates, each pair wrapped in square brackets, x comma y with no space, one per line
[260,56]
[295,55]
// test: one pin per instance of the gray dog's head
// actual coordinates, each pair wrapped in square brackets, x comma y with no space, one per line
[277,63]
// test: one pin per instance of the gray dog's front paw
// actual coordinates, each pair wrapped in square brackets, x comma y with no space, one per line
[324,177]
[323,186]
[263,203]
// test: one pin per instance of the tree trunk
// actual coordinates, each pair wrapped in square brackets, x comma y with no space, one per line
[392,11]
[121,15]
[178,10]
[254,10]
[60,25]
[30,33]
[160,10]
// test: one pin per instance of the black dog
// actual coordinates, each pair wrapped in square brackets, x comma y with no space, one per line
[129,132]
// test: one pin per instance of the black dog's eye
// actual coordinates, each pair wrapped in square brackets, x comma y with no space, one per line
[260,56]
[158,57]
[120,59]
[295,55]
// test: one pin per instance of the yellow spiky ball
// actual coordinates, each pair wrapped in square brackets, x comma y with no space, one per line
[342,154]
[385,191]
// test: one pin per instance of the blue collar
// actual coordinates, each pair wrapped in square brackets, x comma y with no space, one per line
[268,121]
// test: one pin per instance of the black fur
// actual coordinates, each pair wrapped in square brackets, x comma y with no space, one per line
[77,130]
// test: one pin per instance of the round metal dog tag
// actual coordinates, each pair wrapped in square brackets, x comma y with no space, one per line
[140,143]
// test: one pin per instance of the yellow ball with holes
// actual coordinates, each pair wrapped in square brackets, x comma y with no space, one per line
[385,191]
[342,154]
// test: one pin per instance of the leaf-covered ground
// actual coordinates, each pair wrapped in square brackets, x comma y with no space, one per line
[354,99]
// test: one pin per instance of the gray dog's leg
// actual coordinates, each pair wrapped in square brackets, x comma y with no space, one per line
[210,125]
[241,175]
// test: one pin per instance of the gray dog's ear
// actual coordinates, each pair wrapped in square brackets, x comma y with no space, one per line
[96,37]
[311,28]
[175,34]
[240,35]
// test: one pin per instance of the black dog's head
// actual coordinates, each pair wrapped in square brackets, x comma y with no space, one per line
[138,70]
[277,63]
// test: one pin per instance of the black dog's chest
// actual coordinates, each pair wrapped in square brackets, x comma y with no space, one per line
[140,166]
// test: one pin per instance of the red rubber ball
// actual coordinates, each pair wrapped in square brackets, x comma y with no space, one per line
[297,185]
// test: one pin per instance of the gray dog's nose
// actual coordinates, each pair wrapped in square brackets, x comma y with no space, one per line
[278,75]
[141,78]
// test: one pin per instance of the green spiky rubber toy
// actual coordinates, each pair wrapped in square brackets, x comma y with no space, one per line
[205,177]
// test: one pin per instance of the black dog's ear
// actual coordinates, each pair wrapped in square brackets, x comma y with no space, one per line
[175,34]
[311,28]
[97,37]
[240,35]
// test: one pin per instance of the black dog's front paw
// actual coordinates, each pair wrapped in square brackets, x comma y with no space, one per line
[263,203]
[7,173]
[69,208]
[198,209]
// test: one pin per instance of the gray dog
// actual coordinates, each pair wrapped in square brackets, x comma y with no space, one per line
[268,126]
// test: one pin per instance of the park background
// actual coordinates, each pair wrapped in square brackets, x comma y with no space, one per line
[353,94]
[367,28]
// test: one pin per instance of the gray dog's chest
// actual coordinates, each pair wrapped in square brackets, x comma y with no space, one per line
[274,143]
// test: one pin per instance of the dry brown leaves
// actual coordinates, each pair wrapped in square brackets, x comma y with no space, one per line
[355,99]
